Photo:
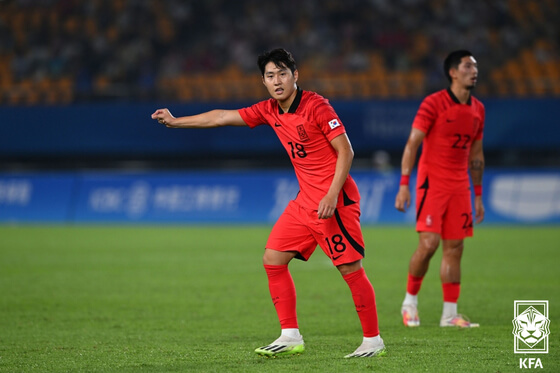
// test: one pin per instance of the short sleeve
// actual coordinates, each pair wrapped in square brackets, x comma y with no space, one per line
[328,121]
[425,116]
[253,115]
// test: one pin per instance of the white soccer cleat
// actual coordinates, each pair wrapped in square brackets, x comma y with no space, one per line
[459,321]
[283,346]
[409,314]
[369,349]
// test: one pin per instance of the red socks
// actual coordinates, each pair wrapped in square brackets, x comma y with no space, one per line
[283,293]
[413,285]
[364,300]
[451,291]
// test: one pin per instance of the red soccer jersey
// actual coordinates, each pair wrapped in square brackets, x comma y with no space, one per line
[305,131]
[450,129]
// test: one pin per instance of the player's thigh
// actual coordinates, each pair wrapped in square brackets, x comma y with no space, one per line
[458,222]
[290,233]
[341,237]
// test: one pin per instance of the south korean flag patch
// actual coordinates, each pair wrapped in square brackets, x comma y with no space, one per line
[334,123]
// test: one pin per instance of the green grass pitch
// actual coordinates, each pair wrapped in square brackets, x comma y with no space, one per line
[195,299]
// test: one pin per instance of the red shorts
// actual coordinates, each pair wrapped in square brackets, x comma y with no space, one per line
[449,214]
[299,229]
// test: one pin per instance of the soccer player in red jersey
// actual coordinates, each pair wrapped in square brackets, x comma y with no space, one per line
[449,125]
[325,212]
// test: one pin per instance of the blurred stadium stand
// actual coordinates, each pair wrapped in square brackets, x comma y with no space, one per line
[70,51]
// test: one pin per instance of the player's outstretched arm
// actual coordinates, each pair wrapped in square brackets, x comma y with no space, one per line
[402,201]
[209,119]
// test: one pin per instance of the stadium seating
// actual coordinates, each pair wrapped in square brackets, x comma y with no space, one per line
[60,52]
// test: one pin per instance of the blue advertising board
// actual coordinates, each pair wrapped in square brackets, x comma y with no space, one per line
[37,197]
[117,129]
[244,197]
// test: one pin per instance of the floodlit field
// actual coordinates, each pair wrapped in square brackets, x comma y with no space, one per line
[195,299]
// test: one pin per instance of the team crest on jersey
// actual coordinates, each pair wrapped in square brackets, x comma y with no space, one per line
[334,123]
[301,132]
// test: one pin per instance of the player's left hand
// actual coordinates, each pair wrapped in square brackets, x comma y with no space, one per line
[478,210]
[326,207]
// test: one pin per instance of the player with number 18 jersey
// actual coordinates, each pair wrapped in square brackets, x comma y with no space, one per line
[326,210]
[305,132]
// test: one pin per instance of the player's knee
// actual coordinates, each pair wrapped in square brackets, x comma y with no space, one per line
[273,257]
[268,258]
[427,246]
[346,269]
[453,248]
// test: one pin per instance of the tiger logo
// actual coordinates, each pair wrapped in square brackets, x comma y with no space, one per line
[531,326]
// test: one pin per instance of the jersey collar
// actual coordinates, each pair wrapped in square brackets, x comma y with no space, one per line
[455,99]
[295,103]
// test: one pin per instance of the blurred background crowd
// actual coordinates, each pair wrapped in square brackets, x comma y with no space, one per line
[70,51]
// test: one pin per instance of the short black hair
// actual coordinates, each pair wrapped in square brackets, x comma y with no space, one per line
[280,57]
[453,60]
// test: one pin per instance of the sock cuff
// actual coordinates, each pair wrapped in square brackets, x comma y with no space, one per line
[415,278]
[450,285]
[350,277]
[451,291]
[275,269]
[413,284]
